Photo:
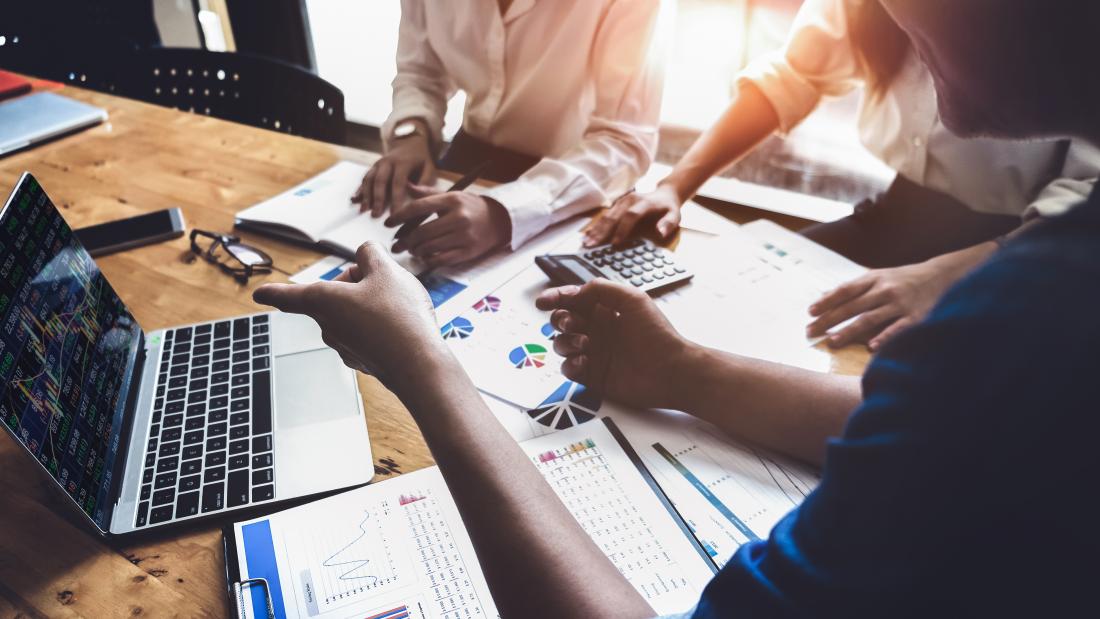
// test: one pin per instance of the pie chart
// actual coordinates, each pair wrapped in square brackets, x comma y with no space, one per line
[570,404]
[528,356]
[549,331]
[457,329]
[488,305]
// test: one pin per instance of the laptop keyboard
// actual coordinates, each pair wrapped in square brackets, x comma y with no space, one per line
[210,441]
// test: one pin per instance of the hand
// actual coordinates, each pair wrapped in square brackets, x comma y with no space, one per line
[409,160]
[618,343]
[618,222]
[376,315]
[887,301]
[466,226]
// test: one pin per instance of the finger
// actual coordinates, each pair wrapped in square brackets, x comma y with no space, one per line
[577,369]
[369,258]
[447,258]
[553,298]
[362,197]
[863,328]
[438,245]
[889,333]
[420,190]
[855,307]
[421,207]
[841,294]
[398,183]
[668,223]
[425,232]
[582,302]
[628,222]
[290,298]
[570,344]
[568,322]
[379,187]
[350,275]
[600,230]
[605,328]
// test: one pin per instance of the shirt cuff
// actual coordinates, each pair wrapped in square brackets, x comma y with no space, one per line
[1058,197]
[414,112]
[792,97]
[528,207]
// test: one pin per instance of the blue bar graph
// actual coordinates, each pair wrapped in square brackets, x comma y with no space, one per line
[707,494]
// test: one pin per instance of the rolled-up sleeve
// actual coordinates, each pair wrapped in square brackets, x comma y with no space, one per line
[422,86]
[620,140]
[817,61]
[1073,185]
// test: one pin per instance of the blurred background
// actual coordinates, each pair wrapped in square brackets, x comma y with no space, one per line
[351,44]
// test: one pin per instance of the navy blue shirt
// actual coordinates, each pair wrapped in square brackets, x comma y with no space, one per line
[966,483]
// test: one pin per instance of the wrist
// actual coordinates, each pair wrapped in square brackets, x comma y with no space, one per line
[688,365]
[431,369]
[676,188]
[500,222]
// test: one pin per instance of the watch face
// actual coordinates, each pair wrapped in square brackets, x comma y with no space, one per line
[404,130]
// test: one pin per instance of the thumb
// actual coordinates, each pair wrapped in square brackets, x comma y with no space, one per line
[668,224]
[370,257]
[291,298]
[585,299]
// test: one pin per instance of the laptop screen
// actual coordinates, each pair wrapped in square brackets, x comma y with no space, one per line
[66,344]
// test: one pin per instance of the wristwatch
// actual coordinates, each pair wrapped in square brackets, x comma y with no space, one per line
[407,128]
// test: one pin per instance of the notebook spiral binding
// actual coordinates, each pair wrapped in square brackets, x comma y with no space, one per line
[238,590]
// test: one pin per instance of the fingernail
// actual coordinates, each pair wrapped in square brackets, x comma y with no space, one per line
[813,310]
[569,290]
[873,346]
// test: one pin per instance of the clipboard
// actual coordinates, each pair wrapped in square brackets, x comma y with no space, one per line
[235,587]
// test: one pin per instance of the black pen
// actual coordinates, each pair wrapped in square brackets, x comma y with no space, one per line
[461,184]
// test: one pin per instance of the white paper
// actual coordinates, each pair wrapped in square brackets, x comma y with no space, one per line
[325,269]
[400,545]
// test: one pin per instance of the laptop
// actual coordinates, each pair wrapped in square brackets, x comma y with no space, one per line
[35,118]
[142,429]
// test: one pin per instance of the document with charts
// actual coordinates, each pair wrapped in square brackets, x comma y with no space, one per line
[398,549]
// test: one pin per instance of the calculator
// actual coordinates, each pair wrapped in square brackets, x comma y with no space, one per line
[639,263]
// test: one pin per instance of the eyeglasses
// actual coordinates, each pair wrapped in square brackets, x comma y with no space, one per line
[239,260]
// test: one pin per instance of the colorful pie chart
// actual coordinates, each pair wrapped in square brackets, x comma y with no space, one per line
[528,356]
[459,328]
[487,305]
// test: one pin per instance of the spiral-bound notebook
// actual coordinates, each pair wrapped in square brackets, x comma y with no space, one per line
[398,549]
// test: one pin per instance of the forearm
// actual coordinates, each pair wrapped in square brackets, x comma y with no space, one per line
[505,504]
[957,264]
[744,124]
[784,408]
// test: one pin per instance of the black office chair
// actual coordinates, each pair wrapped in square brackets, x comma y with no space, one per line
[244,88]
[82,42]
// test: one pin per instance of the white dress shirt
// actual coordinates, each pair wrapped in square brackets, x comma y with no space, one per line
[903,128]
[577,82]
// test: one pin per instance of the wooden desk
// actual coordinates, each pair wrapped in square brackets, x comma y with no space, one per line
[147,158]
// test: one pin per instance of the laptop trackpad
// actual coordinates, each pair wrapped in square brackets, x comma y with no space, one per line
[312,387]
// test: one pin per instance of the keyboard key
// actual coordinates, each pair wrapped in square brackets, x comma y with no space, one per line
[193,437]
[217,429]
[160,497]
[238,418]
[238,405]
[263,493]
[218,415]
[262,460]
[151,447]
[202,339]
[169,449]
[196,396]
[221,329]
[215,444]
[265,476]
[220,366]
[159,403]
[160,395]
[260,339]
[174,407]
[240,392]
[181,347]
[221,355]
[147,476]
[181,359]
[220,377]
[197,385]
[238,461]
[240,328]
[237,490]
[221,344]
[142,514]
[259,330]
[200,372]
[237,447]
[219,402]
[146,492]
[213,497]
[195,423]
[167,464]
[203,330]
[157,416]
[171,421]
[183,333]
[240,368]
[154,430]
[216,473]
[240,346]
[217,390]
[216,458]
[160,514]
[188,484]
[150,459]
[171,434]
[165,480]
[241,380]
[190,467]
[178,381]
[261,363]
[178,370]
[200,358]
[192,451]
[260,444]
[187,504]
[238,432]
[238,357]
[260,319]
[261,402]
[260,350]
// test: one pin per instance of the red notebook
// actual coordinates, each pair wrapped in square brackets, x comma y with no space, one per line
[12,85]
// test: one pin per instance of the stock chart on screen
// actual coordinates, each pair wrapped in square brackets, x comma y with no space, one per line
[66,343]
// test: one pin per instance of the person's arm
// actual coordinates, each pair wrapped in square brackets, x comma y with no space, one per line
[380,320]
[620,140]
[617,342]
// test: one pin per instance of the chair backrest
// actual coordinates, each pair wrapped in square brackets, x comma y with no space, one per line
[251,90]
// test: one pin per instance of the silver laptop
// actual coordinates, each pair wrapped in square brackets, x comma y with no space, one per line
[42,116]
[142,429]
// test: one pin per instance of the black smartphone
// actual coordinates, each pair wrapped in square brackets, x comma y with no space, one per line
[107,238]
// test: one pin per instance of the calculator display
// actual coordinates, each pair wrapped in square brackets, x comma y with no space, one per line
[579,268]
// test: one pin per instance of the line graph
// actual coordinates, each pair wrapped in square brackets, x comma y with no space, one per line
[352,565]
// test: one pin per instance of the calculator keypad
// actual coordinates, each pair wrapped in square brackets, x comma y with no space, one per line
[639,263]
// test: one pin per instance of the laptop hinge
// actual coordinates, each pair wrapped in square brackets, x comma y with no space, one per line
[128,415]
